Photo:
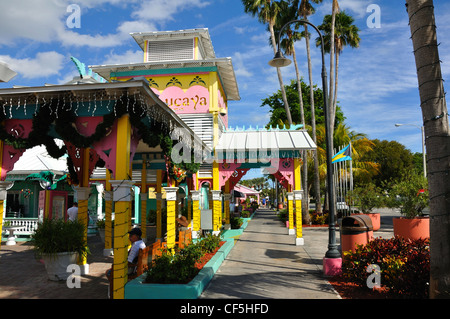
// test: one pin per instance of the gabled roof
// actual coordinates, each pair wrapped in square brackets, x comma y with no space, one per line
[36,159]
[203,35]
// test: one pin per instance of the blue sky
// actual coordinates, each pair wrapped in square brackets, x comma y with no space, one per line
[377,81]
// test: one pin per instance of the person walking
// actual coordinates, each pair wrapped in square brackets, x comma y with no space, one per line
[72,212]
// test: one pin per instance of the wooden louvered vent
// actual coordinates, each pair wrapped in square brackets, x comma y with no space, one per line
[180,49]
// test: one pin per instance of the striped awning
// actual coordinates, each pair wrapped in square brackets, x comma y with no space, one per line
[253,143]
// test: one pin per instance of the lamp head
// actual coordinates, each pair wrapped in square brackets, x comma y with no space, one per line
[279,60]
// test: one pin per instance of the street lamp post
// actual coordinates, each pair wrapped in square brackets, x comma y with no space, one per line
[423,146]
[332,260]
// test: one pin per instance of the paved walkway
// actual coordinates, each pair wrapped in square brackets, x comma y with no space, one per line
[22,276]
[266,263]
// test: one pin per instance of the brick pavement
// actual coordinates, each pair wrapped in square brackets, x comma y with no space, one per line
[22,276]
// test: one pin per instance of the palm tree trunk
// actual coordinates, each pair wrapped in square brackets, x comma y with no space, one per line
[332,112]
[299,87]
[436,124]
[335,86]
[305,201]
[313,125]
[280,78]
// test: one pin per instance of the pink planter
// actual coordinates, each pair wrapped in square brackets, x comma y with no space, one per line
[412,228]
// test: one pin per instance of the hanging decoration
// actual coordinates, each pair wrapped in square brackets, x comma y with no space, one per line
[26,193]
[58,115]
[175,171]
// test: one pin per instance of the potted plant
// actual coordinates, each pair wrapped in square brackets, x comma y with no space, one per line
[410,195]
[60,244]
[367,198]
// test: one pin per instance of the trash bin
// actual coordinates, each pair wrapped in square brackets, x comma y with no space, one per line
[355,230]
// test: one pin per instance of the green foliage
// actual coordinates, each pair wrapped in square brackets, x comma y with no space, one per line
[236,222]
[283,215]
[209,243]
[245,213]
[56,236]
[278,113]
[101,224]
[318,218]
[367,197]
[404,265]
[394,160]
[179,267]
[410,194]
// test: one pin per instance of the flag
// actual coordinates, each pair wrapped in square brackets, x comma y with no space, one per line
[343,155]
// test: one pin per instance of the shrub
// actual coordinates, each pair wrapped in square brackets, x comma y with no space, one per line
[404,265]
[410,195]
[367,197]
[180,266]
[56,236]
[236,223]
[319,219]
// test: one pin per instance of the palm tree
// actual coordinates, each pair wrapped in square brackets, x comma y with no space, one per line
[290,13]
[334,11]
[267,12]
[345,33]
[436,124]
[361,145]
[305,9]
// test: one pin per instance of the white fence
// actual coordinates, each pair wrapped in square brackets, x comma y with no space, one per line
[29,225]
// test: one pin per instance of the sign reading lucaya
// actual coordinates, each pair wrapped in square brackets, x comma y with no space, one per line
[194,100]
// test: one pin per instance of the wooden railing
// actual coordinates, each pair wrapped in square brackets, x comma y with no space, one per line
[29,225]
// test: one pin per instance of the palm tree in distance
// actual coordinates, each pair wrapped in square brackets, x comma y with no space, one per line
[345,34]
[305,9]
[267,12]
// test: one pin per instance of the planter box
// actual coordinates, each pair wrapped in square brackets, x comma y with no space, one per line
[56,265]
[136,289]
[412,228]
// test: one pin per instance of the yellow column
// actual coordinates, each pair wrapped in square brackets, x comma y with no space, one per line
[217,211]
[216,200]
[108,251]
[290,197]
[83,191]
[144,196]
[195,195]
[171,198]
[122,198]
[158,204]
[82,198]
[298,193]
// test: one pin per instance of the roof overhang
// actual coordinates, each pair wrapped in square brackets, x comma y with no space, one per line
[202,34]
[224,68]
[19,97]
[253,144]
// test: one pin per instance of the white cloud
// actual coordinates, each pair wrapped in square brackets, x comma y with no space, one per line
[129,56]
[45,20]
[43,65]
[163,10]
